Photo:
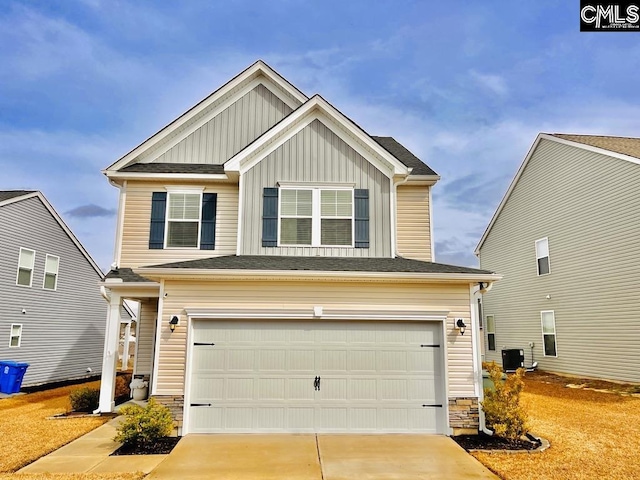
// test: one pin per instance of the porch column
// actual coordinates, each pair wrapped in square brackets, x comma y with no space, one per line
[125,347]
[110,358]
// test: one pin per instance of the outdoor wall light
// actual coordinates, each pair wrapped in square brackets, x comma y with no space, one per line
[460,326]
[173,322]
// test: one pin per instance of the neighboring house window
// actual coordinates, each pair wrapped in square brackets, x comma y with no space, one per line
[491,333]
[51,272]
[542,256]
[316,217]
[183,219]
[16,335]
[549,333]
[25,267]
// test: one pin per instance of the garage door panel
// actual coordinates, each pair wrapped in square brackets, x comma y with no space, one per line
[259,377]
[206,387]
[331,360]
[301,361]
[391,361]
[241,360]
[301,389]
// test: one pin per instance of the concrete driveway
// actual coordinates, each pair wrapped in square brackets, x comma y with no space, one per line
[319,457]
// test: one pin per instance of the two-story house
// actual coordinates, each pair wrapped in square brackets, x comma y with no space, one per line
[51,310]
[565,237]
[283,259]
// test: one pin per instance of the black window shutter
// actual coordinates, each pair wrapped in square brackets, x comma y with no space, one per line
[208,227]
[158,209]
[270,217]
[361,204]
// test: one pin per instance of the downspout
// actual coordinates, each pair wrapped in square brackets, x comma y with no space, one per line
[394,215]
[482,288]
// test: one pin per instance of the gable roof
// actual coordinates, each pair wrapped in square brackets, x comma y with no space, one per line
[623,148]
[624,145]
[8,197]
[317,108]
[9,194]
[404,155]
[259,69]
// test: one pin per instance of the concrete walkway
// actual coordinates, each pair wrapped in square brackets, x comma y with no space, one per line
[90,453]
[271,457]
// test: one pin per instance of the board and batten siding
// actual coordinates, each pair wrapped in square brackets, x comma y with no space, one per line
[135,250]
[147,320]
[414,230]
[62,329]
[228,132]
[296,295]
[588,205]
[316,155]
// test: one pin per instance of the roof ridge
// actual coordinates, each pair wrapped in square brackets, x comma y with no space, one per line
[590,135]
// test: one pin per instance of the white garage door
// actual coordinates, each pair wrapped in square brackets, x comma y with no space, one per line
[367,377]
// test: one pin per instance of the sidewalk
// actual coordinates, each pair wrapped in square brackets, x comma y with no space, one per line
[90,453]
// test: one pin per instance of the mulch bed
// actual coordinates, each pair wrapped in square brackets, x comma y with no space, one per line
[483,441]
[159,447]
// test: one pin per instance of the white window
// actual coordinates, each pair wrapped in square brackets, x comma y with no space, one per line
[549,333]
[316,217]
[542,256]
[183,219]
[25,267]
[491,333]
[51,272]
[16,335]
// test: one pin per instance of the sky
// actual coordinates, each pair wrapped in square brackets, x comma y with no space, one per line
[465,85]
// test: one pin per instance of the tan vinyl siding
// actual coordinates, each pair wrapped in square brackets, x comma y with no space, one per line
[146,336]
[137,216]
[588,205]
[314,155]
[228,132]
[295,295]
[414,231]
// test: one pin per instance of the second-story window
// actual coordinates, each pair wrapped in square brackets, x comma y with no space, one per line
[316,216]
[542,256]
[51,272]
[183,219]
[25,267]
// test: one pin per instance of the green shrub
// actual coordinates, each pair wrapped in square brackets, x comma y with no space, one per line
[144,424]
[84,399]
[502,410]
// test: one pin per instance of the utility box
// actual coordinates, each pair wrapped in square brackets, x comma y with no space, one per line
[512,359]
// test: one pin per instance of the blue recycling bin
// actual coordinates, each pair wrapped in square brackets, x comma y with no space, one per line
[11,375]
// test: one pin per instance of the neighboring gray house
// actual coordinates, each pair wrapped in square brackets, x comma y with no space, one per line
[566,238]
[52,315]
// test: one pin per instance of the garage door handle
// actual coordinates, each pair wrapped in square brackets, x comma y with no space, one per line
[200,404]
[316,383]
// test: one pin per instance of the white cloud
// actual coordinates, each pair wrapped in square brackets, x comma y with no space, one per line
[493,83]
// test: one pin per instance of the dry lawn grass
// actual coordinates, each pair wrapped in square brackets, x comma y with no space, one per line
[26,434]
[71,476]
[593,435]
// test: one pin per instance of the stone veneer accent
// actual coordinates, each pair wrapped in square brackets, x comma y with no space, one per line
[174,403]
[464,415]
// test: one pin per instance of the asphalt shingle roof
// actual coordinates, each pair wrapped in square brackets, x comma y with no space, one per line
[8,194]
[320,264]
[625,145]
[126,275]
[405,156]
[204,168]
